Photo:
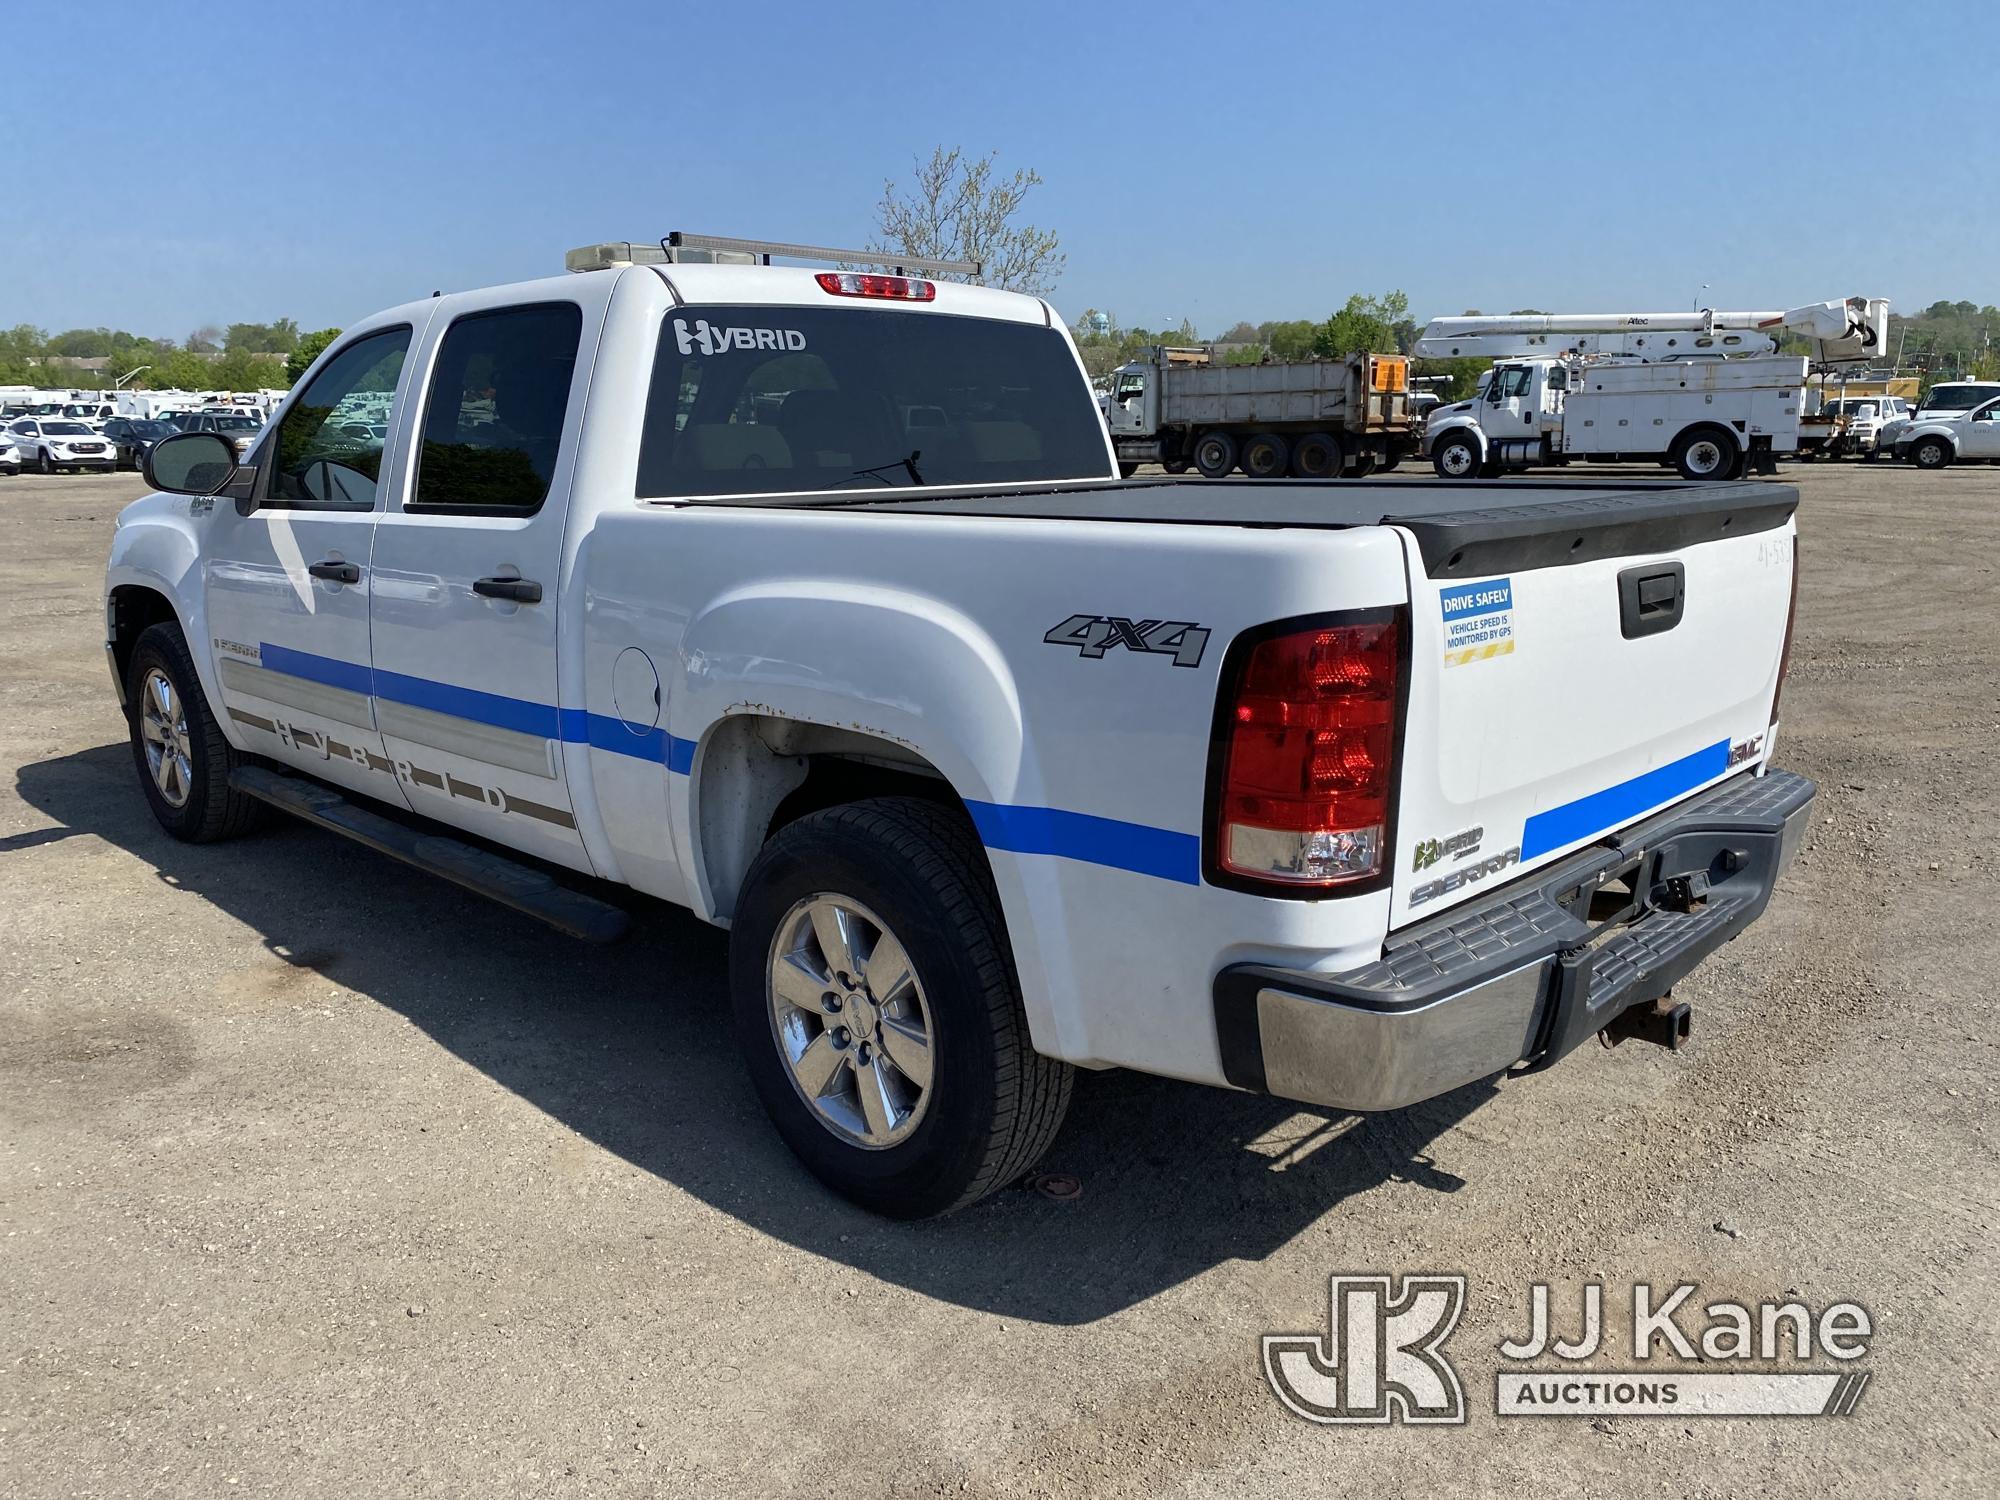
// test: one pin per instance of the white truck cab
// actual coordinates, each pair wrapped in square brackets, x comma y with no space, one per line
[810,601]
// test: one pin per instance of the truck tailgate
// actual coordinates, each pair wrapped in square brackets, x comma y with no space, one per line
[1554,703]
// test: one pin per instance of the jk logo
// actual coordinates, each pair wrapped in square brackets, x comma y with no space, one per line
[710,339]
[1381,1359]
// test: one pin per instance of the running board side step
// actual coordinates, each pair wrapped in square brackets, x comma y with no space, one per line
[527,890]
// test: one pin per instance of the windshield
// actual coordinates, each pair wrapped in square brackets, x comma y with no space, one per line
[1958,397]
[148,429]
[783,400]
[67,429]
[237,424]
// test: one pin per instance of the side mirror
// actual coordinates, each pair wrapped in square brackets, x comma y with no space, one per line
[190,463]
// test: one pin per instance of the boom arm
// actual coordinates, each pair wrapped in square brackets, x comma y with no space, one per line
[1850,331]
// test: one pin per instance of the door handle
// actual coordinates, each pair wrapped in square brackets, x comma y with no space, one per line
[520,590]
[336,572]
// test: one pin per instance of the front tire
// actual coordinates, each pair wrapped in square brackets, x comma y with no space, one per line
[879,1014]
[1456,456]
[182,758]
[45,463]
[1930,453]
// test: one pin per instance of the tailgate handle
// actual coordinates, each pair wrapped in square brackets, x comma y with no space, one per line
[1650,598]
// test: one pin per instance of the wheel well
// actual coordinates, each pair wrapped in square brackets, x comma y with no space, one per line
[1720,429]
[759,772]
[132,608]
[1459,429]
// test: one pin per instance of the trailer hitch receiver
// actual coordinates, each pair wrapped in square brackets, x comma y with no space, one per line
[1663,1022]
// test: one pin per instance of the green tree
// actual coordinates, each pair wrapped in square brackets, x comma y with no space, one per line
[22,341]
[1464,374]
[280,337]
[1289,341]
[1366,325]
[79,343]
[240,370]
[306,348]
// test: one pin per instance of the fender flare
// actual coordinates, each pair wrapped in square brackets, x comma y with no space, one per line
[893,666]
[161,555]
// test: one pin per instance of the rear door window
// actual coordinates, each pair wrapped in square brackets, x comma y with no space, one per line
[498,401]
[783,400]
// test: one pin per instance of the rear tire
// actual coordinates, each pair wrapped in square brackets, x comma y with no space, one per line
[1175,465]
[987,1106]
[1126,471]
[1266,455]
[1706,453]
[1930,453]
[1215,454]
[1456,456]
[1363,465]
[182,757]
[1317,455]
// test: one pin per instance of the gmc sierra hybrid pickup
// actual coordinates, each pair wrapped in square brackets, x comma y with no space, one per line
[813,602]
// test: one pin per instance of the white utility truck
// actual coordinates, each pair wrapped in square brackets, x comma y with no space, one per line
[1705,391]
[812,602]
[1308,419]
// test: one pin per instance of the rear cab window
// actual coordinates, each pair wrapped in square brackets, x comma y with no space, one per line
[788,400]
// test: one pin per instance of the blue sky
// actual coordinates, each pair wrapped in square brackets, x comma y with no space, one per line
[171,165]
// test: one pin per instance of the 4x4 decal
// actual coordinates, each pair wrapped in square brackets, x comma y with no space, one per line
[1093,635]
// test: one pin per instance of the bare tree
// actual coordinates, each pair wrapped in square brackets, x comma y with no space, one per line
[958,208]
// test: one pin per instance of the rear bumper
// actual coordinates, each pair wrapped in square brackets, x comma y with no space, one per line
[1519,976]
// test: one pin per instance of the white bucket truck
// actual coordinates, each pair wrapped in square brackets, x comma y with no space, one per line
[1706,391]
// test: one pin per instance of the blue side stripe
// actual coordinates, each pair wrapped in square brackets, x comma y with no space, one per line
[1603,811]
[1144,850]
[517,714]
[327,669]
[1137,847]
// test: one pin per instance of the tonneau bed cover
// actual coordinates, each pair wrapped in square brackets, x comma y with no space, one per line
[1464,530]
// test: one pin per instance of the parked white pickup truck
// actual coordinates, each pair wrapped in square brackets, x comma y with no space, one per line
[813,603]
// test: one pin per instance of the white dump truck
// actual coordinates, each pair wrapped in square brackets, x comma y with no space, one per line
[1705,391]
[1309,419]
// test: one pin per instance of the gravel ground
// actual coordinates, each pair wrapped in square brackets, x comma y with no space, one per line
[320,1177]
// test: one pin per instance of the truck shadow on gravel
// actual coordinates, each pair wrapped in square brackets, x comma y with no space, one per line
[630,1046]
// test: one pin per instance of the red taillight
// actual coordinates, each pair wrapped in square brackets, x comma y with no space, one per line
[898,288]
[1309,756]
[1791,619]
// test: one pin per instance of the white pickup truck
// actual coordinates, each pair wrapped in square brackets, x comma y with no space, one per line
[812,602]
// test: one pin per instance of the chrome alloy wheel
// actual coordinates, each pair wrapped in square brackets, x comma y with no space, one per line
[163,726]
[850,1020]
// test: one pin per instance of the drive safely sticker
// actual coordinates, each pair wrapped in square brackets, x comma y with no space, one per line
[1478,620]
